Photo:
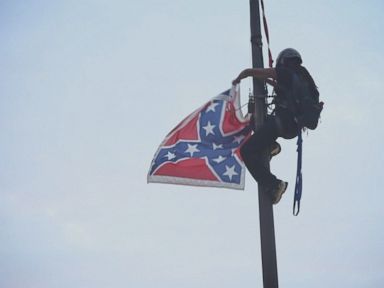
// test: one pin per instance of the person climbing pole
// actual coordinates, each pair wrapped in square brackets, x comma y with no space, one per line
[285,122]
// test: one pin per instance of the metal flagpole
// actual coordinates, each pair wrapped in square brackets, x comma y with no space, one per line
[267,229]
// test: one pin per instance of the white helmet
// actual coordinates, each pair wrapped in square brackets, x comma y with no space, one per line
[288,53]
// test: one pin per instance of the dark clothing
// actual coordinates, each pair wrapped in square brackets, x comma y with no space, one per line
[286,123]
[284,87]
[282,124]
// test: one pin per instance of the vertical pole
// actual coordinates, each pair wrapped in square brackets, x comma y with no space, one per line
[267,229]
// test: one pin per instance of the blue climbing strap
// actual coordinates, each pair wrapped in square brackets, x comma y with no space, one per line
[299,176]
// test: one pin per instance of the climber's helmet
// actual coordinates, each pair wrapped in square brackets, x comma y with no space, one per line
[288,55]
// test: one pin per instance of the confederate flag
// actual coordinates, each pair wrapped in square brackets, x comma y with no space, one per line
[203,150]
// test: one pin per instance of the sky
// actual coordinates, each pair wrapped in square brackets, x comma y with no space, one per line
[89,89]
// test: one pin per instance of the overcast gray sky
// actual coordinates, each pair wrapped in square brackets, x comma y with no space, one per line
[88,91]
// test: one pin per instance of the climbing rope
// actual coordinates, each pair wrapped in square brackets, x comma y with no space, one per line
[299,176]
[265,24]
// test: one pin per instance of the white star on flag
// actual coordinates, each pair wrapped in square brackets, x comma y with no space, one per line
[192,149]
[212,107]
[209,129]
[230,171]
[217,146]
[219,159]
[170,155]
[238,139]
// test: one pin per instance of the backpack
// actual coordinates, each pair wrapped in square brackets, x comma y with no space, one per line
[304,98]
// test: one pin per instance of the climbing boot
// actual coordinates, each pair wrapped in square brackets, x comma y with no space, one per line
[278,191]
[275,149]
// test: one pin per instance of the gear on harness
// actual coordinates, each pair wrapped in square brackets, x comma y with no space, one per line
[251,104]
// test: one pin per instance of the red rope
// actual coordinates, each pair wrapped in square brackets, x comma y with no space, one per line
[265,24]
